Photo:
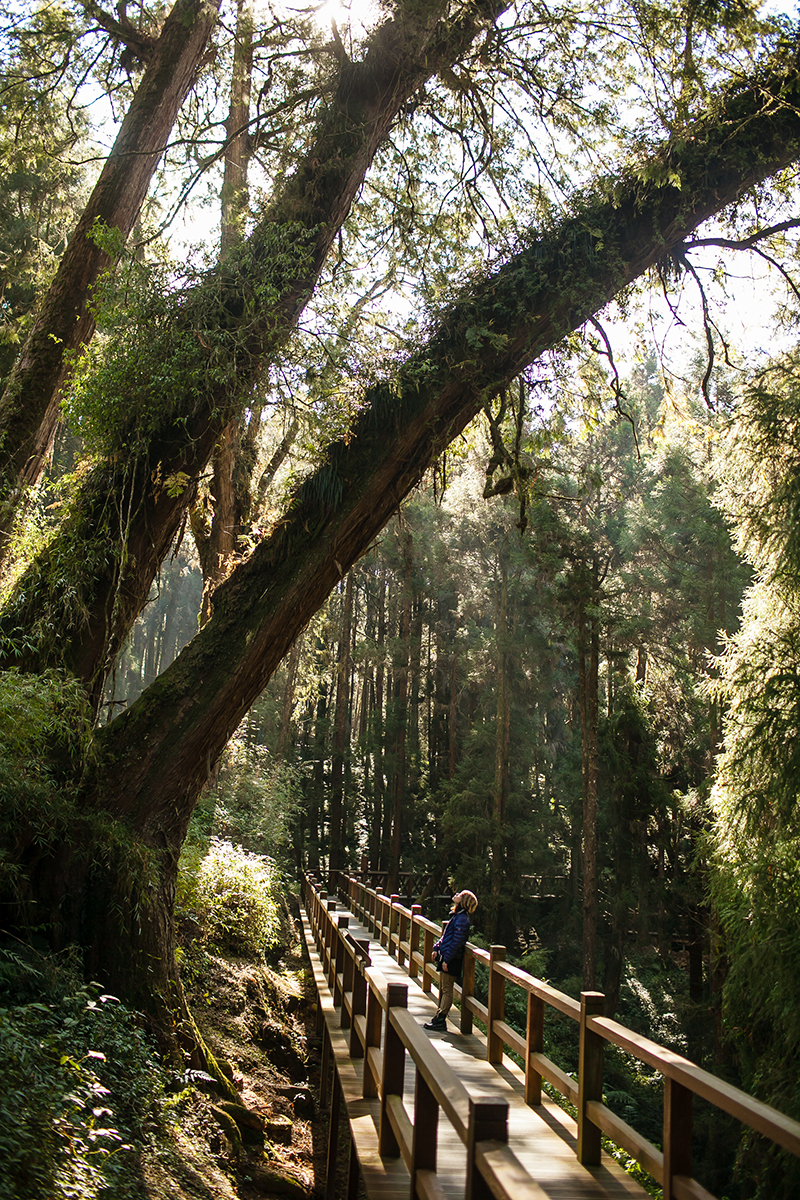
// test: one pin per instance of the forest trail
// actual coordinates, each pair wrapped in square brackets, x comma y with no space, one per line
[543,1139]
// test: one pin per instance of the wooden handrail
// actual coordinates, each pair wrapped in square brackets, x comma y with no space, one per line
[683,1079]
[480,1124]
[537,987]
[759,1116]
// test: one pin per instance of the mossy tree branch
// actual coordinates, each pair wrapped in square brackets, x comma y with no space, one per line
[29,406]
[228,330]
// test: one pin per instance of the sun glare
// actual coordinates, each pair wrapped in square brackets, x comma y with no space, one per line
[353,18]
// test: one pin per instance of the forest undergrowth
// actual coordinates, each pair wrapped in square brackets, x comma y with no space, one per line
[89,1109]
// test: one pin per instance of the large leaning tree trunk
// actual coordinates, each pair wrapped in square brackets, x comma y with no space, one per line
[29,406]
[223,336]
[154,759]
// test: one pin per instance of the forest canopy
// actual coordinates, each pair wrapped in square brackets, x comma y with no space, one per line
[342,462]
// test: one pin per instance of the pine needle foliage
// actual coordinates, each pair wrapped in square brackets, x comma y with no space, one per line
[756,840]
[45,733]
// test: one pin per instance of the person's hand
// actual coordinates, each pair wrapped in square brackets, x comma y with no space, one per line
[444,966]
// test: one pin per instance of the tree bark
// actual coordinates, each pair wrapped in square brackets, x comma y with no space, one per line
[317,805]
[378,727]
[501,748]
[452,720]
[590,685]
[282,749]
[400,715]
[341,729]
[30,403]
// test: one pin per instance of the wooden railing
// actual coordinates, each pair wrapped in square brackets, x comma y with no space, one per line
[364,995]
[408,936]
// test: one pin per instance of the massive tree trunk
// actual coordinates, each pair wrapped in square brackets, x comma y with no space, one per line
[224,335]
[402,662]
[502,735]
[283,750]
[154,759]
[378,729]
[589,662]
[29,405]
[341,732]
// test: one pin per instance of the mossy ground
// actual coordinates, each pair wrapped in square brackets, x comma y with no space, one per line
[259,1020]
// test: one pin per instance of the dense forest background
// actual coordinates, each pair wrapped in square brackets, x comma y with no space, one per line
[399,475]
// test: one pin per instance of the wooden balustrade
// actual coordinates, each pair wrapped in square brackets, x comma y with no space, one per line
[403,929]
[366,996]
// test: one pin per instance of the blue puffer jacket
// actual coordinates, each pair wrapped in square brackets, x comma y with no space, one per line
[452,942]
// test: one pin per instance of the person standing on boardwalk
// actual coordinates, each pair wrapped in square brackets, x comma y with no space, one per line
[448,952]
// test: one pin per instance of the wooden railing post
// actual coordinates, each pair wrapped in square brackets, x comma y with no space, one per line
[467,990]
[382,901]
[413,941]
[427,951]
[496,1006]
[590,1078]
[324,1066]
[394,1067]
[333,1137]
[337,951]
[394,900]
[402,936]
[327,939]
[488,1122]
[337,963]
[372,1038]
[359,1002]
[322,900]
[677,1134]
[534,1044]
[353,1172]
[426,1128]
[349,973]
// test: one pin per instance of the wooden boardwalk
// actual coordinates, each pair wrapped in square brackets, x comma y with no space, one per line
[543,1138]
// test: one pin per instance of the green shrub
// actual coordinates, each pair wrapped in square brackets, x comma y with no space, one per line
[256,798]
[45,733]
[230,892]
[80,1089]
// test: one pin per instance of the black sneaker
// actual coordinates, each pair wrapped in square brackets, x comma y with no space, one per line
[436,1023]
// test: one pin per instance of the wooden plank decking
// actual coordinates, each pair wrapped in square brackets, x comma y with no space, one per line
[543,1138]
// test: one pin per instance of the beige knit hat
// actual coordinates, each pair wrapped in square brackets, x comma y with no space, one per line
[467,900]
